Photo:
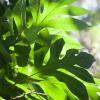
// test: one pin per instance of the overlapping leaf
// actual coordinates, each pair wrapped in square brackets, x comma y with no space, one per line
[67,62]
[45,18]
[43,14]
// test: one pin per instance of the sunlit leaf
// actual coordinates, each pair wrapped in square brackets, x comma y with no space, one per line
[77,10]
[67,24]
[53,89]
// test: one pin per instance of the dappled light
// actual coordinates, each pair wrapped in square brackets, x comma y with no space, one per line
[49,50]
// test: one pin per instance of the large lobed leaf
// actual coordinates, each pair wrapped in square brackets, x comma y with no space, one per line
[35,15]
[68,63]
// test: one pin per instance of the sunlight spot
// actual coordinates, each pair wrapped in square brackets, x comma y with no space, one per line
[11,48]
[98,87]
[98,93]
[29,70]
[76,54]
[16,66]
[7,1]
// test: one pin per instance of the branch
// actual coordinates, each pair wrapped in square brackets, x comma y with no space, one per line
[27,93]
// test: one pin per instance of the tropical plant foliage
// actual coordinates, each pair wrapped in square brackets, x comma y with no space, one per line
[38,60]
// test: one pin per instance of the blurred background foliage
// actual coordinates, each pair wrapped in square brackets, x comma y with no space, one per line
[90,38]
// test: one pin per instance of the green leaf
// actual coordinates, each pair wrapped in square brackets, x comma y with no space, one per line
[8,90]
[2,72]
[29,18]
[5,26]
[55,49]
[74,85]
[39,54]
[23,79]
[69,59]
[67,24]
[22,49]
[93,91]
[32,32]
[4,52]
[39,89]
[67,62]
[81,73]
[85,60]
[69,10]
[41,47]
[64,2]
[70,42]
[75,10]
[19,15]
[54,62]
[53,89]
